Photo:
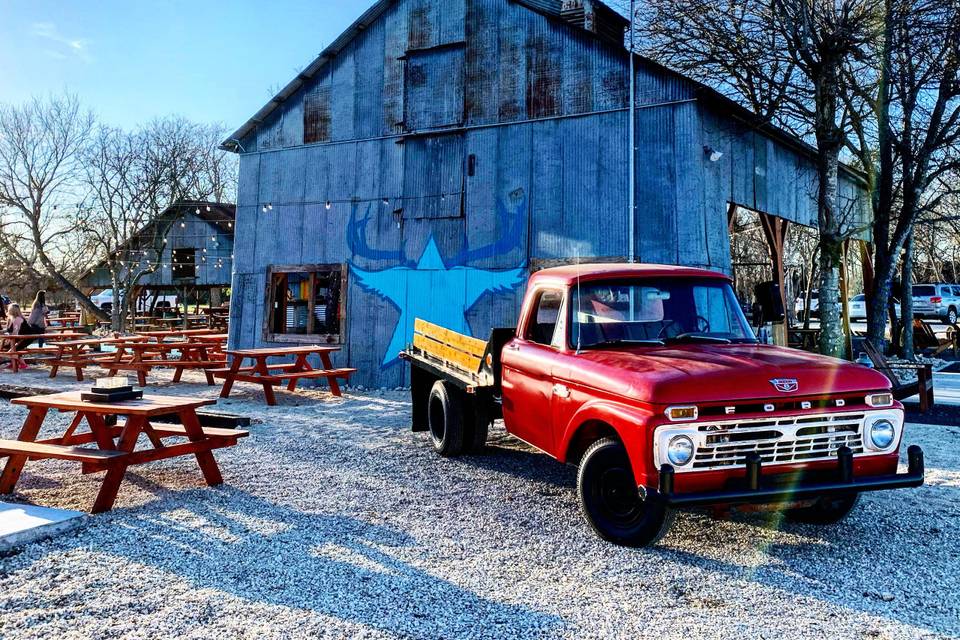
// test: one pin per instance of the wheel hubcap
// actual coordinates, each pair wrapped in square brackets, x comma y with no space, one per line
[618,496]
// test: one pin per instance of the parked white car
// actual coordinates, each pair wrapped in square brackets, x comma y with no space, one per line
[857,307]
[814,305]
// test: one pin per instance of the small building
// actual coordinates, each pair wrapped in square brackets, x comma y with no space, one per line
[439,151]
[194,241]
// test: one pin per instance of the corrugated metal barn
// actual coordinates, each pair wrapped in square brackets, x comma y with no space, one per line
[440,150]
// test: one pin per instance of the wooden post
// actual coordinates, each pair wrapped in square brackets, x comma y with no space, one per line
[775,231]
[844,303]
[866,261]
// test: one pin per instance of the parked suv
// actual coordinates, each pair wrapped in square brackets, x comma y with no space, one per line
[937,301]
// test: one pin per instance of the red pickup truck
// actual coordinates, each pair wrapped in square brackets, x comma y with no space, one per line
[649,378]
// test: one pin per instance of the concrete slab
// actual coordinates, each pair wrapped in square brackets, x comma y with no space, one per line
[22,524]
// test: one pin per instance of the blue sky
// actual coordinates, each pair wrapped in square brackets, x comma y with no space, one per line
[132,60]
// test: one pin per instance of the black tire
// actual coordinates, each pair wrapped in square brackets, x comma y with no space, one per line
[952,316]
[477,426]
[825,510]
[445,419]
[611,502]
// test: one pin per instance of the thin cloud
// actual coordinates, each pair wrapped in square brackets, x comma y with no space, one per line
[75,46]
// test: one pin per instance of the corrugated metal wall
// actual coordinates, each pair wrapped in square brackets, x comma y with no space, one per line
[542,153]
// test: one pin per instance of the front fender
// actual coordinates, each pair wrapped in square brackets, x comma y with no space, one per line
[631,425]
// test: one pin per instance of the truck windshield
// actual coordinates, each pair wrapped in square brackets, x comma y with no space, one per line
[656,312]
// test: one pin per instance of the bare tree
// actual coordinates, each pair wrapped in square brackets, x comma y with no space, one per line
[40,150]
[906,125]
[132,179]
[786,60]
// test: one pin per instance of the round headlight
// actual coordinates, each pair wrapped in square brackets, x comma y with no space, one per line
[680,450]
[882,434]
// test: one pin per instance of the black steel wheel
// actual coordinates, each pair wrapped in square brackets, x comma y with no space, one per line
[445,418]
[827,510]
[611,501]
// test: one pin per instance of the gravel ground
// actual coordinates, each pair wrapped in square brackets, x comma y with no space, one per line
[334,520]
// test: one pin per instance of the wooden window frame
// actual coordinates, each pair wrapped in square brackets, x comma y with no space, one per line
[306,338]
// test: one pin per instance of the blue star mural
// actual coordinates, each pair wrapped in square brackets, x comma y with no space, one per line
[433,292]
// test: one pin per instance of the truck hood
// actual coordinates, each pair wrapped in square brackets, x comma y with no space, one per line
[700,373]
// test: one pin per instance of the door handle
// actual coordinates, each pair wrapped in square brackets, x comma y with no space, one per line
[561,391]
[513,346]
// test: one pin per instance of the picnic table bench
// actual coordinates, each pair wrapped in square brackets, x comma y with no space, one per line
[116,445]
[144,356]
[176,333]
[271,375]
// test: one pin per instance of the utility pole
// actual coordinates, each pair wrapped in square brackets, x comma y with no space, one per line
[632,218]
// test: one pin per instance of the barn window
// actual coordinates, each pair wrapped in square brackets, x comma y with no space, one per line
[316,115]
[305,303]
[185,264]
[433,177]
[433,88]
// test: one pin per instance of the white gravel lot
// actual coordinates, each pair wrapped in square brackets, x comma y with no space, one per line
[335,520]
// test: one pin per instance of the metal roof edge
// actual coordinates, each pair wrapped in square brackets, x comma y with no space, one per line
[359,25]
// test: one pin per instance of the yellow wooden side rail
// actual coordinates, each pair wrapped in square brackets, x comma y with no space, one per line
[454,349]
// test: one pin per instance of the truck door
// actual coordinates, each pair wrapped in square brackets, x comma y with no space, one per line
[528,371]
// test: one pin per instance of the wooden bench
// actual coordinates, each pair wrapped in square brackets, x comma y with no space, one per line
[923,385]
[925,339]
[35,450]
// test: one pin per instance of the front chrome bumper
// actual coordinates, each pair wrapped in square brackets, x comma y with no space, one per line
[755,490]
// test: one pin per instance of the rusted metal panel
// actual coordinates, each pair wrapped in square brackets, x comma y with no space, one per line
[433,90]
[452,21]
[543,66]
[656,180]
[433,177]
[395,47]
[692,225]
[423,24]
[368,97]
[511,65]
[316,112]
[342,98]
[481,91]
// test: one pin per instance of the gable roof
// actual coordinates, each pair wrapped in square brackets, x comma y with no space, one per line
[216,214]
[553,9]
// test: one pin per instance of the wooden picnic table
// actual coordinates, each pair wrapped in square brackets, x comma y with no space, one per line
[116,445]
[271,375]
[64,321]
[144,356]
[78,354]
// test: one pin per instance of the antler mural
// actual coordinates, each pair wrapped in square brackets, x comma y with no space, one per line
[510,233]
[360,248]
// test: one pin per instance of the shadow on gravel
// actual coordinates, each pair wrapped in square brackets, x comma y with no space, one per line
[526,465]
[840,563]
[233,542]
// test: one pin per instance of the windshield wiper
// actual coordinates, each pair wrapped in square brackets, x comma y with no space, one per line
[693,337]
[621,343]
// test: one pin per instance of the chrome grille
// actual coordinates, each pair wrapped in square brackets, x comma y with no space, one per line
[777,440]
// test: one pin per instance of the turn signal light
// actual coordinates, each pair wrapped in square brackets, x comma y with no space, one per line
[680,414]
[879,400]
[936,299]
